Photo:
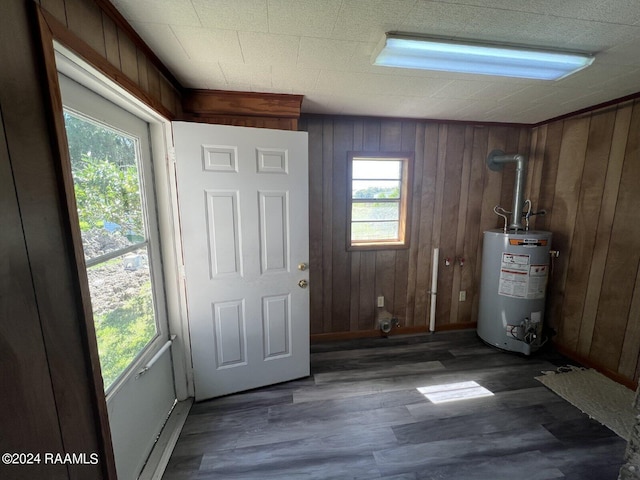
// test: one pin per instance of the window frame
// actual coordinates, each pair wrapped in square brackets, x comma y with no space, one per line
[404,220]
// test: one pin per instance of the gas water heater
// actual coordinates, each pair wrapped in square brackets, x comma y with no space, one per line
[515,270]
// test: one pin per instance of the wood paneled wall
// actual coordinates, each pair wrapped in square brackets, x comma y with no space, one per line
[453,197]
[48,399]
[587,174]
[96,31]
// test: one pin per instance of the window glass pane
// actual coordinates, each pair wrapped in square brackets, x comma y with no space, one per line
[372,169]
[371,231]
[104,164]
[376,189]
[375,211]
[123,311]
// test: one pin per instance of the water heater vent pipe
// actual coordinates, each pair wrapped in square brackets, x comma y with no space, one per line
[495,162]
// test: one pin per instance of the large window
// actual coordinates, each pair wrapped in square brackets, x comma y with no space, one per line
[114,199]
[378,200]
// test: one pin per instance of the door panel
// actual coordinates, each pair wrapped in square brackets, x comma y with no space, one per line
[224,234]
[243,199]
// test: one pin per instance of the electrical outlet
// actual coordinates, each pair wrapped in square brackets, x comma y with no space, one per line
[463,296]
[380,301]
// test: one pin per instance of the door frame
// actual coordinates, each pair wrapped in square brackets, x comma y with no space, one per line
[163,166]
[52,36]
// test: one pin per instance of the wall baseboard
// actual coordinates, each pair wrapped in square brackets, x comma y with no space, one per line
[337,336]
[616,377]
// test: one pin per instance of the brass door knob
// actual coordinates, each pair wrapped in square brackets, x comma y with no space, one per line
[302,266]
[303,284]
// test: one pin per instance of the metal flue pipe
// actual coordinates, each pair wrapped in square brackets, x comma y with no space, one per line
[496,161]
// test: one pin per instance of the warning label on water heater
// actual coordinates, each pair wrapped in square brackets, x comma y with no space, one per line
[520,279]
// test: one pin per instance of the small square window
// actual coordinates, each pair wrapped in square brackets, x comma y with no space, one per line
[378,200]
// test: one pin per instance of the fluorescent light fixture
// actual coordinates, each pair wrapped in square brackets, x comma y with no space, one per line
[452,392]
[435,53]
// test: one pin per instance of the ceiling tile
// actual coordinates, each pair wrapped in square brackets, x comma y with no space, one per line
[624,84]
[324,52]
[209,45]
[355,83]
[170,12]
[296,79]
[500,90]
[267,48]
[435,18]
[309,18]
[593,76]
[236,73]
[624,12]
[202,75]
[623,54]
[461,89]
[368,20]
[602,36]
[421,86]
[250,15]
[164,43]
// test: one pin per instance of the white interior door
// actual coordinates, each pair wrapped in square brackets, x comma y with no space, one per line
[243,201]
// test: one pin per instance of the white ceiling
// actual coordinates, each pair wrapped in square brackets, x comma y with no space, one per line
[322,49]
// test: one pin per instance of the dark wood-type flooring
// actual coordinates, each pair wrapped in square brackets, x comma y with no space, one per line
[360,416]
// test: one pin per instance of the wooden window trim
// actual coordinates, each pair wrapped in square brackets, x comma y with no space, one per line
[404,226]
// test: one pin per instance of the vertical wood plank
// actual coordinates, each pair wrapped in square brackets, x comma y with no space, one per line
[168,95]
[341,260]
[414,246]
[316,267]
[112,49]
[549,173]
[563,216]
[631,345]
[588,211]
[605,221]
[407,144]
[465,180]
[367,290]
[327,224]
[451,198]
[85,20]
[385,277]
[622,259]
[129,59]
[143,78]
[470,280]
[28,415]
[492,186]
[436,229]
[153,78]
[425,239]
[55,8]
[538,143]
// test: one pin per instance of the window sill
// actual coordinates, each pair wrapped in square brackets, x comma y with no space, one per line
[378,246]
